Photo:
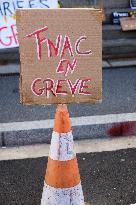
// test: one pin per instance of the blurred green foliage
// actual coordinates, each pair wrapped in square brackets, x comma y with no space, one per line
[60,4]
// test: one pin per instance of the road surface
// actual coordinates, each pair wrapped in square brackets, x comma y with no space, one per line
[108,178]
[119,105]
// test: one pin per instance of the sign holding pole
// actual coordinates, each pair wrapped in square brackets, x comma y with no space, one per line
[61,55]
[8,33]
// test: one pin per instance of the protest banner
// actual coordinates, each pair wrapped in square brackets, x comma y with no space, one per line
[61,55]
[8,33]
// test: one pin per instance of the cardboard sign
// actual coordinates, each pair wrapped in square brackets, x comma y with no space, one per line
[128,23]
[8,33]
[61,55]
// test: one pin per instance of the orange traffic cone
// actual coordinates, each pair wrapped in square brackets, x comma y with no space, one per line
[62,184]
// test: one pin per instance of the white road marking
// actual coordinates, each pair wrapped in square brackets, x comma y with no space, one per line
[76,121]
[10,68]
[83,146]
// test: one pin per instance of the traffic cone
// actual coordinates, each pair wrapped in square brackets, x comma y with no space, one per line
[62,185]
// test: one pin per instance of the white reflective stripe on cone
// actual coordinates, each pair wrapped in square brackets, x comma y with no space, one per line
[67,196]
[62,146]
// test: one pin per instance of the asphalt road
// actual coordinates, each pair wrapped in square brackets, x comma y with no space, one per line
[108,178]
[119,96]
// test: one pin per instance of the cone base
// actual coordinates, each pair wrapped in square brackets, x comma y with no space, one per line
[66,196]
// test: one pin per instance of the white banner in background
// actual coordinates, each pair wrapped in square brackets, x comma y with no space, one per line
[8,32]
